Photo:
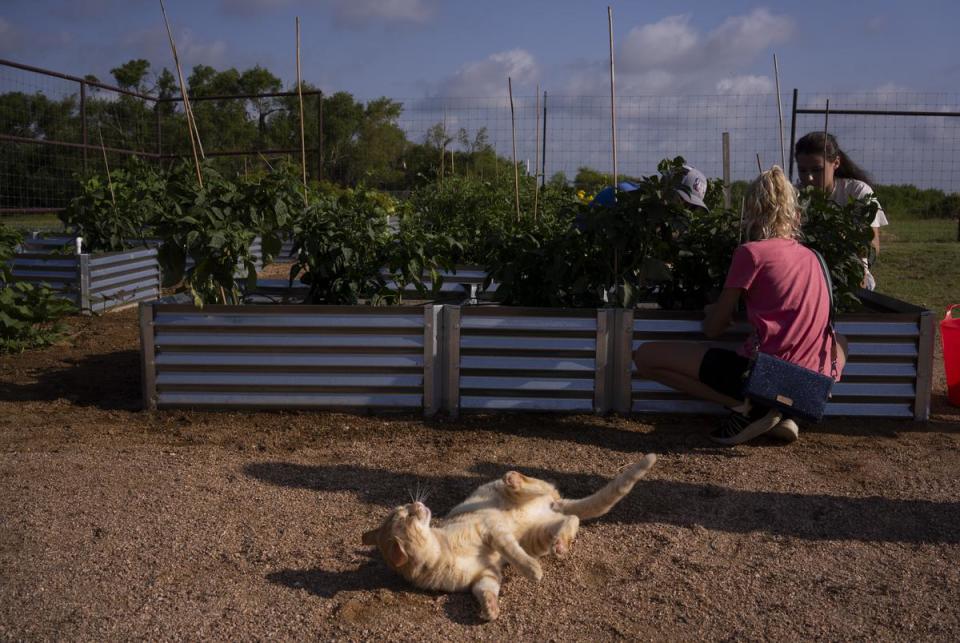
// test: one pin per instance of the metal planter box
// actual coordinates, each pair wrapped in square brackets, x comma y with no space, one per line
[296,357]
[95,283]
[485,358]
[526,359]
[889,369]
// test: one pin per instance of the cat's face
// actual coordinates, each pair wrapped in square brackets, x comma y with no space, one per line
[404,530]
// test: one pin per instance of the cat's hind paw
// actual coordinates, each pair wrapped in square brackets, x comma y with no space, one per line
[489,607]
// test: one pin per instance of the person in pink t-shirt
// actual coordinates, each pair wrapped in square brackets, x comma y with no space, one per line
[787,305]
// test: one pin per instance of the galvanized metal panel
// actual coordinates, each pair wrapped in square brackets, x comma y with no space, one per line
[877,328]
[129,267]
[498,362]
[880,369]
[544,324]
[478,403]
[560,384]
[304,319]
[840,389]
[168,340]
[106,259]
[883,349]
[330,380]
[288,359]
[288,400]
[529,343]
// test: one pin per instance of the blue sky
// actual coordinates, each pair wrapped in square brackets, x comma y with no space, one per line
[450,61]
[412,48]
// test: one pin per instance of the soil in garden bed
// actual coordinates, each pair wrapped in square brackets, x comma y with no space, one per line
[117,523]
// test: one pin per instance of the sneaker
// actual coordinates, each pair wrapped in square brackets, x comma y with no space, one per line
[738,428]
[787,431]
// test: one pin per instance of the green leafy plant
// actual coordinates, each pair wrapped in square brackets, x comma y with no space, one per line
[30,315]
[842,234]
[211,226]
[117,213]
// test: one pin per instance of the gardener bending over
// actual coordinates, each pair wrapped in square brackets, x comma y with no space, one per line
[787,305]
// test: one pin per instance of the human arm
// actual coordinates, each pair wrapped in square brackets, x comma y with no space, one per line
[719,315]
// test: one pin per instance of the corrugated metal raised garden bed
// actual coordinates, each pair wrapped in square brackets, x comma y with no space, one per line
[482,358]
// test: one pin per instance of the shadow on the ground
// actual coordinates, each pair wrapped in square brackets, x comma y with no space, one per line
[684,504]
[370,577]
[109,381]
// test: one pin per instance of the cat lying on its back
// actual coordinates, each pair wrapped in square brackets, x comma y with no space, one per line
[515,520]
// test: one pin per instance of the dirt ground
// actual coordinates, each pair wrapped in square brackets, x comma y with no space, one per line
[117,523]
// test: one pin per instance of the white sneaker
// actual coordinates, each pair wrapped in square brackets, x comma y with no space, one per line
[785,430]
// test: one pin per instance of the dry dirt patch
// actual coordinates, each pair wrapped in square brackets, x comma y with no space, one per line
[117,523]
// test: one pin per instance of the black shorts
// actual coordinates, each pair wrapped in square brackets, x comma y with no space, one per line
[724,371]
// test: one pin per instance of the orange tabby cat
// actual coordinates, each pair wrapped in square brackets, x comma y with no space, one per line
[515,520]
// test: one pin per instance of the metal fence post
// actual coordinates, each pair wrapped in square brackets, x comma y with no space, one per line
[451,371]
[148,366]
[726,170]
[603,377]
[622,380]
[793,132]
[432,359]
[83,122]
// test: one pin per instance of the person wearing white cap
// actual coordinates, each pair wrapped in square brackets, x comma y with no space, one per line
[692,189]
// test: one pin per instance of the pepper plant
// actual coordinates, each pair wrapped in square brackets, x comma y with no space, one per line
[30,315]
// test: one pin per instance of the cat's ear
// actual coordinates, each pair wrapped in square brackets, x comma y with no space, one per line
[395,555]
[370,537]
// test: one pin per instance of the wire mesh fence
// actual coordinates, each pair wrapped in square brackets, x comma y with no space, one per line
[51,127]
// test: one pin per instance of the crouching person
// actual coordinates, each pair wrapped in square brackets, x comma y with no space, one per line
[788,307]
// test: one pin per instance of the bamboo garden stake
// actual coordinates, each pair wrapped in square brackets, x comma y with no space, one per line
[103,149]
[303,149]
[776,74]
[516,170]
[191,127]
[536,159]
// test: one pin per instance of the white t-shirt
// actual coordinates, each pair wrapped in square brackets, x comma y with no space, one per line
[845,189]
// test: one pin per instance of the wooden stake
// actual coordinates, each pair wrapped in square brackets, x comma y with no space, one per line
[536,160]
[726,170]
[191,127]
[759,165]
[776,74]
[103,149]
[303,148]
[826,122]
[613,99]
[516,170]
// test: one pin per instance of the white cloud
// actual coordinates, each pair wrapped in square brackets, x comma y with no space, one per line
[488,77]
[672,56]
[659,45]
[740,85]
[154,45]
[358,12]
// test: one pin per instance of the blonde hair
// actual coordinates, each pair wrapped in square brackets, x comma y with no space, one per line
[770,210]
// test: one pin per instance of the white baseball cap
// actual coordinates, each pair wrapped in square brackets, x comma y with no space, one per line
[693,187]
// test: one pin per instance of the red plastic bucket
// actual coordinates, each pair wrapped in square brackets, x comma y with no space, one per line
[950,336]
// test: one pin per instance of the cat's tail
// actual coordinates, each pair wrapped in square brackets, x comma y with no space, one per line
[602,501]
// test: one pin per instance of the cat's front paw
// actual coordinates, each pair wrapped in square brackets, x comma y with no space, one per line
[533,570]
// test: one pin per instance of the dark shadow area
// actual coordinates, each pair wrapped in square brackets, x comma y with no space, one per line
[374,486]
[109,381]
[670,434]
[684,504]
[806,516]
[460,607]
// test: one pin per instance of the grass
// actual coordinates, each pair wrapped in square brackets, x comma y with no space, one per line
[921,230]
[921,273]
[32,222]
